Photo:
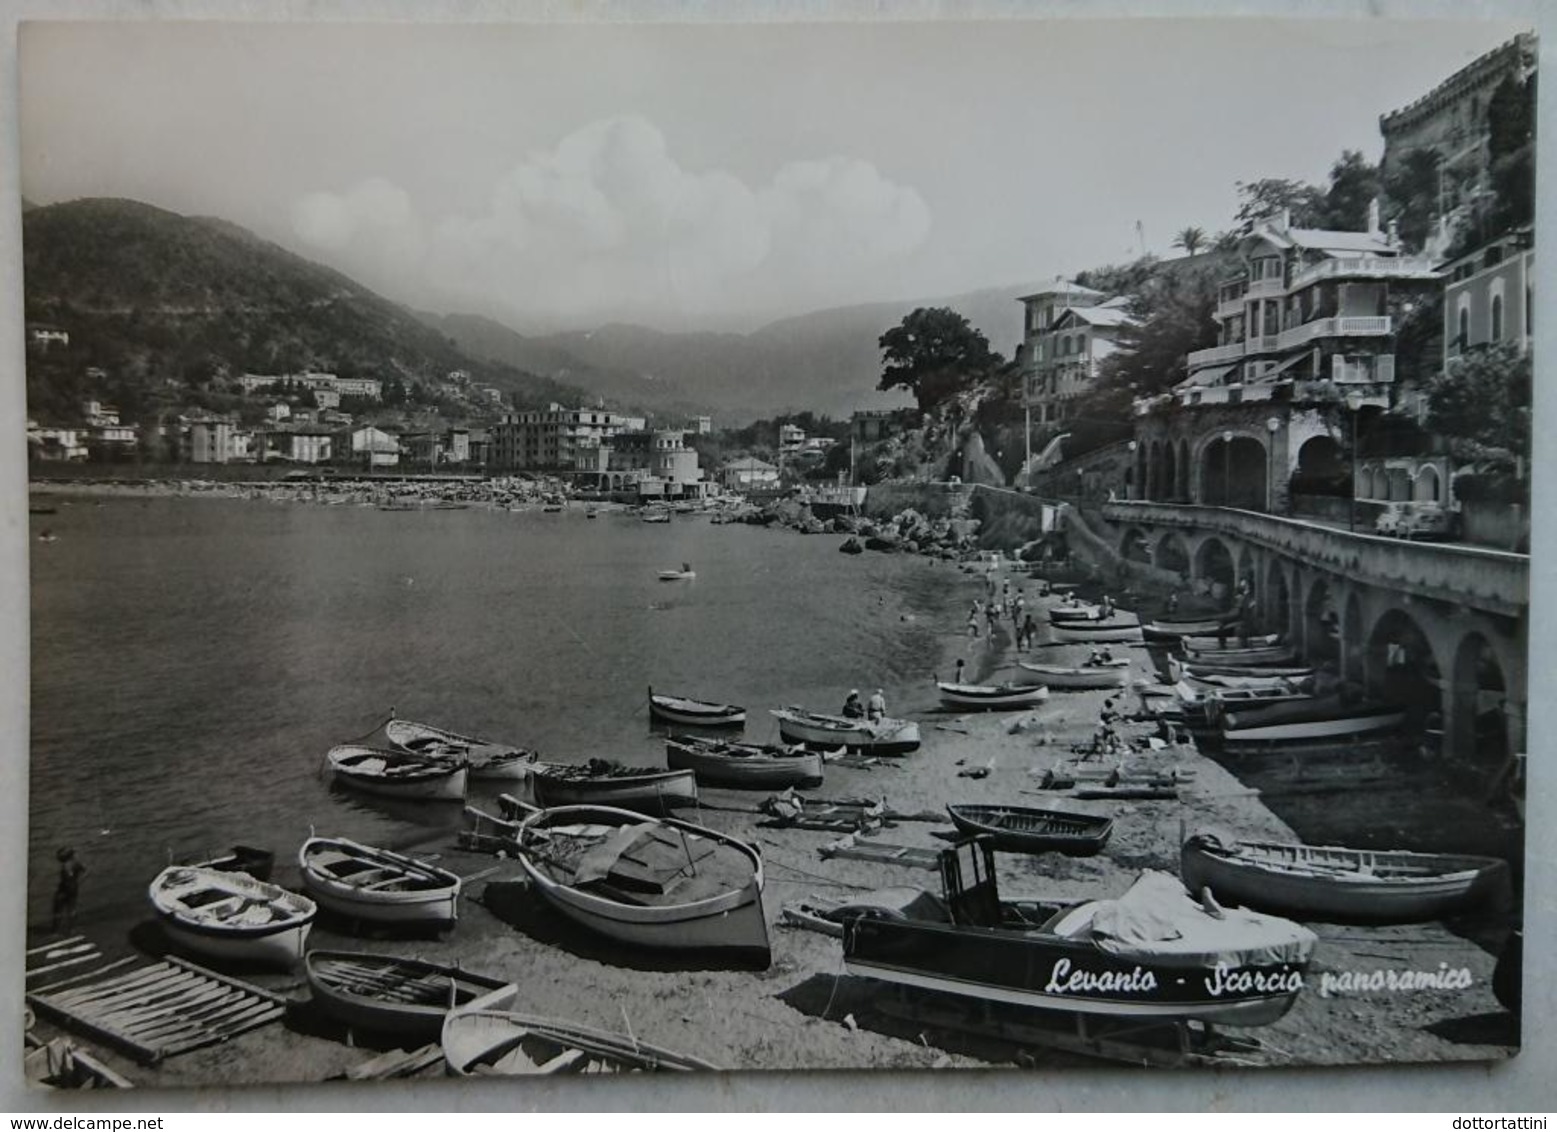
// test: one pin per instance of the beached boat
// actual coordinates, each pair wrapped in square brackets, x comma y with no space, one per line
[391,773]
[1264,655]
[685,574]
[880,737]
[1204,704]
[1021,829]
[1335,883]
[499,1043]
[826,916]
[1107,674]
[695,713]
[484,758]
[1170,632]
[1152,955]
[1076,613]
[1310,719]
[361,882]
[601,782]
[1179,669]
[655,517]
[1203,642]
[652,883]
[718,763]
[388,994]
[1096,632]
[990,697]
[246,859]
[231,917]
[1212,680]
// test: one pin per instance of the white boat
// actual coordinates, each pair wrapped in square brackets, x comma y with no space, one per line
[1255,655]
[685,574]
[1312,719]
[485,759]
[479,1042]
[361,882]
[746,765]
[1213,642]
[650,882]
[1107,674]
[1200,670]
[695,713]
[231,917]
[879,737]
[988,697]
[397,774]
[1096,632]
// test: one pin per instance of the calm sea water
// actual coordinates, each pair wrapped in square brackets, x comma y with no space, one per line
[194,659]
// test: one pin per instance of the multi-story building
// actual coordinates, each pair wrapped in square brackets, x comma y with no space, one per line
[368,447]
[549,439]
[748,473]
[870,425]
[298,444]
[211,440]
[370,387]
[1307,331]
[1489,295]
[792,438]
[1067,331]
[56,443]
[701,425]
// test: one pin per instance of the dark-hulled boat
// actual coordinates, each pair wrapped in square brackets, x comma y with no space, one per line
[1308,720]
[500,1043]
[720,763]
[1340,884]
[695,713]
[485,758]
[388,994]
[1022,829]
[1152,955]
[647,882]
[991,697]
[600,782]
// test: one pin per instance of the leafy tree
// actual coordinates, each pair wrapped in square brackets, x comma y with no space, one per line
[1271,195]
[935,353]
[1411,191]
[1119,279]
[1191,240]
[1354,183]
[1174,316]
[1481,403]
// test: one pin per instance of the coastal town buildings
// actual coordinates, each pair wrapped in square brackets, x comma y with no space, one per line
[748,473]
[550,439]
[1068,330]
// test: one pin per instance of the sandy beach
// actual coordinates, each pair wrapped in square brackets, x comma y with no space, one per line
[804,1013]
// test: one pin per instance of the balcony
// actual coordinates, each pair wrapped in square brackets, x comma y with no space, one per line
[1265,289]
[1371,326]
[1366,267]
[1229,307]
[1216,355]
[1496,581]
[1262,344]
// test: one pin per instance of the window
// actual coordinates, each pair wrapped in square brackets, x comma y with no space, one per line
[1497,318]
[1462,335]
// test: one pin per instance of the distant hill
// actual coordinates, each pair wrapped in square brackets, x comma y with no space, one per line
[154,297]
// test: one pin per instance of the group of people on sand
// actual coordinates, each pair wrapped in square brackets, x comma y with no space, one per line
[1007,603]
[873,710]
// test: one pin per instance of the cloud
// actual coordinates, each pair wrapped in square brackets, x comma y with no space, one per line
[609,224]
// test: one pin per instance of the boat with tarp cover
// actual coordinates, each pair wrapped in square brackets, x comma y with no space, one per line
[1154,954]
[1336,883]
[649,882]
[1311,719]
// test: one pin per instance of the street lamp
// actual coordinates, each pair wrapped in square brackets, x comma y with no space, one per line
[1227,469]
[1354,403]
[1272,426]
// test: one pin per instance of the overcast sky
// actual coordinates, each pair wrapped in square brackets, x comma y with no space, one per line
[713,177]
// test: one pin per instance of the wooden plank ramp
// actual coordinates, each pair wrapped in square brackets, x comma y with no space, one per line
[908,856]
[163,1009]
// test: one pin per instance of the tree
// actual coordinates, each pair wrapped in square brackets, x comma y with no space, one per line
[1272,195]
[1191,240]
[1354,184]
[1481,403]
[934,353]
[1173,314]
[1411,190]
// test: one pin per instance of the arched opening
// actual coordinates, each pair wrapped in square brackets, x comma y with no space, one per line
[1403,670]
[1322,468]
[1480,692]
[1462,331]
[1278,600]
[1134,547]
[1246,571]
[1322,627]
[1214,565]
[1233,473]
[1170,481]
[1173,554]
[1427,488]
[1351,633]
[1497,318]
[1399,485]
[1142,482]
[1155,475]
[1183,465]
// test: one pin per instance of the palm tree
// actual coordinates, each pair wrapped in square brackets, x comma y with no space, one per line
[1191,240]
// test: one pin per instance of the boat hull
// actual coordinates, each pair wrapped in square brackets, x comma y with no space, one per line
[1056,676]
[649,794]
[830,732]
[281,948]
[219,916]
[485,760]
[688,714]
[437,905]
[755,772]
[1299,723]
[1021,830]
[357,1008]
[1331,883]
[967,698]
[1095,632]
[469,1035]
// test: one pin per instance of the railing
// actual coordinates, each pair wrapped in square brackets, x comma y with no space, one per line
[1371,326]
[1370,267]
[1262,344]
[1265,288]
[1229,307]
[1493,580]
[1228,353]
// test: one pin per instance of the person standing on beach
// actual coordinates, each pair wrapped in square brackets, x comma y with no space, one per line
[71,870]
[876,709]
[1029,630]
[960,664]
[973,619]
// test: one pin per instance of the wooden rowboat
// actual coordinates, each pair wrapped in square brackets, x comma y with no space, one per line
[1266,654]
[481,1042]
[361,882]
[1109,674]
[387,994]
[695,713]
[1180,668]
[392,773]
[991,697]
[1096,632]
[649,882]
[1020,829]
[231,916]
[744,764]
[1340,884]
[880,737]
[648,790]
[1309,719]
[1170,632]
[485,759]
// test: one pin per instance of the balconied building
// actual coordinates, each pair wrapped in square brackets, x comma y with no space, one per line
[1307,331]
[550,439]
[1067,330]
[1489,295]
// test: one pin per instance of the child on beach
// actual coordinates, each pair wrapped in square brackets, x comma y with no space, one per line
[71,871]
